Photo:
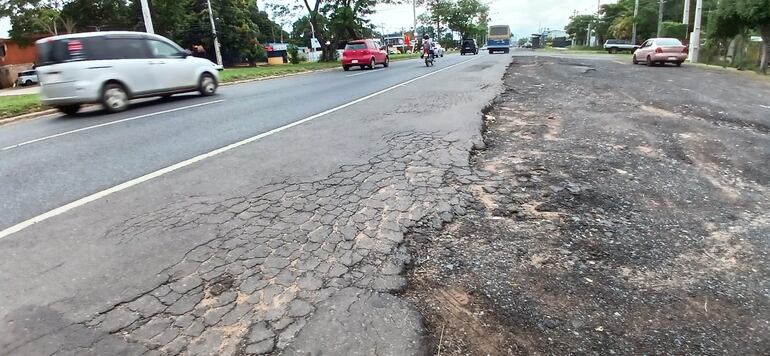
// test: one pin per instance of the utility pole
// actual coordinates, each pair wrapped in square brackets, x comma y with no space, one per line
[686,18]
[588,36]
[660,16]
[695,38]
[636,13]
[414,19]
[213,33]
[686,15]
[147,18]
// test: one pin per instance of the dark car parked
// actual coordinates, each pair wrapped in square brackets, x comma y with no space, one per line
[469,46]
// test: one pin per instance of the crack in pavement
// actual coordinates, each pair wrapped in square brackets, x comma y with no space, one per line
[278,252]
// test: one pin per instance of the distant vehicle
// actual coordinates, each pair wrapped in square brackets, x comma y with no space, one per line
[615,46]
[469,46]
[27,78]
[112,68]
[527,45]
[438,51]
[499,39]
[396,44]
[364,54]
[660,51]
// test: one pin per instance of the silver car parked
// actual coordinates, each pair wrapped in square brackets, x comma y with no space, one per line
[27,78]
[111,68]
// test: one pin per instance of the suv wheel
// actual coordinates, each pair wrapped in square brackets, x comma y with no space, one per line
[69,109]
[114,97]
[208,85]
[28,83]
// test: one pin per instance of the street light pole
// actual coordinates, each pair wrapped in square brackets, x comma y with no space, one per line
[213,33]
[147,18]
[636,13]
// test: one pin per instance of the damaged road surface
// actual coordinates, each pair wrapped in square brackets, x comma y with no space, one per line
[595,208]
[621,210]
[292,244]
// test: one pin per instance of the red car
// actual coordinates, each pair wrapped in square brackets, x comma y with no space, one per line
[365,54]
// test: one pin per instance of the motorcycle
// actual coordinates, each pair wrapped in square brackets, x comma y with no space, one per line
[429,58]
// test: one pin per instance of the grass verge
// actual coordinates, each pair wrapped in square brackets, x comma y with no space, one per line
[16,105]
[245,73]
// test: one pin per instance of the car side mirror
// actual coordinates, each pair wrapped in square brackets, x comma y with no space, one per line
[187,53]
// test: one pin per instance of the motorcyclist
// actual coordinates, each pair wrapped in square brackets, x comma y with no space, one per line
[427,46]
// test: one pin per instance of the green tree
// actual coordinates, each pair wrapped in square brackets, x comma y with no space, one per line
[31,19]
[674,29]
[740,15]
[756,14]
[101,15]
[343,19]
[468,17]
[578,27]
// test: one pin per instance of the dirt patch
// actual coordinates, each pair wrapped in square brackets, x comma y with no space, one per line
[601,226]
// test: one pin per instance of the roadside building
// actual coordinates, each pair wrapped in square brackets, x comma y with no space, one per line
[14,58]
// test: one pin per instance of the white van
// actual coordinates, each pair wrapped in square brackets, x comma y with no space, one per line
[111,68]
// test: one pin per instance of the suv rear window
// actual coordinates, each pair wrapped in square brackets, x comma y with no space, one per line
[65,50]
[355,46]
[90,48]
[468,43]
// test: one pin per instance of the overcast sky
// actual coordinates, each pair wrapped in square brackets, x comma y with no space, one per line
[524,16]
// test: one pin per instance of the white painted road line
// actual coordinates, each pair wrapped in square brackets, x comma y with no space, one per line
[108,124]
[364,71]
[765,106]
[136,181]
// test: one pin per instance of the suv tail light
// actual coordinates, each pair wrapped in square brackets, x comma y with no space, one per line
[659,50]
[75,46]
[686,50]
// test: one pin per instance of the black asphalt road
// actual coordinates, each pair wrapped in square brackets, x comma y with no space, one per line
[43,175]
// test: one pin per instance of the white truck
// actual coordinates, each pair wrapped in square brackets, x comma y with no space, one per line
[615,46]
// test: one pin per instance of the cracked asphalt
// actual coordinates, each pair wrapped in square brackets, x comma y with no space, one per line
[624,211]
[292,244]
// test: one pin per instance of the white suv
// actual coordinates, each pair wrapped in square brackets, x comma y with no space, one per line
[112,68]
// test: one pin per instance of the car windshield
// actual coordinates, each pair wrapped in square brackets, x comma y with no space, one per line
[668,42]
[355,46]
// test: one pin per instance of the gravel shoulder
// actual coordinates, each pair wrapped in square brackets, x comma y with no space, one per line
[620,210]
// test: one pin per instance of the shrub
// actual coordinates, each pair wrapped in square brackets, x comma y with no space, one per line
[293,54]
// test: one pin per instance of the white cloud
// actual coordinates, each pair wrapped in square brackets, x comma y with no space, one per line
[524,16]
